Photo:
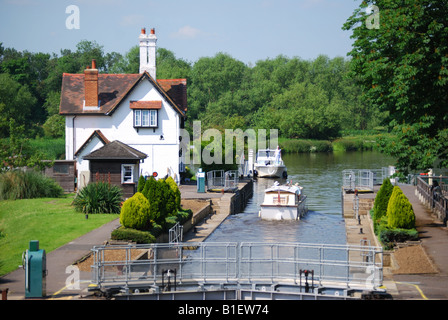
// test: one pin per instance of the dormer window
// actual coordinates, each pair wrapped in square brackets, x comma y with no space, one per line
[146,113]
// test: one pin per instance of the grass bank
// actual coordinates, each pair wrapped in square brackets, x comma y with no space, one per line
[358,142]
[52,221]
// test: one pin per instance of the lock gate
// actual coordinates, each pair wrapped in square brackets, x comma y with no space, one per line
[237,271]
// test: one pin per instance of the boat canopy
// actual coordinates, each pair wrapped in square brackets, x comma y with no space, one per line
[288,189]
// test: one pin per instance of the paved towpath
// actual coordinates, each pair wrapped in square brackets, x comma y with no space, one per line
[434,237]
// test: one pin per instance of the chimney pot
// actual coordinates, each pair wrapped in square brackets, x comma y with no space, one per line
[93,64]
[153,31]
[143,30]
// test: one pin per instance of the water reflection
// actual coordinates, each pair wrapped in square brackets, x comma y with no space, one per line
[321,176]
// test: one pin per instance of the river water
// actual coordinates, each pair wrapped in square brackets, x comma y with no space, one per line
[321,176]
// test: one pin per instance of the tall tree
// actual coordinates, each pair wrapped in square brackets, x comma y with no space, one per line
[400,61]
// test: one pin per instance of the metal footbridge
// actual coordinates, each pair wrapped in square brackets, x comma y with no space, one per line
[237,271]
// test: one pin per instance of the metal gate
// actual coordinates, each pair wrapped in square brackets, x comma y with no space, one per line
[195,264]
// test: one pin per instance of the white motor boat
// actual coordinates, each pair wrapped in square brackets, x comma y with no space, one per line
[270,164]
[283,202]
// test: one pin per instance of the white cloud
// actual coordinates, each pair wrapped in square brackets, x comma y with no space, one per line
[187,32]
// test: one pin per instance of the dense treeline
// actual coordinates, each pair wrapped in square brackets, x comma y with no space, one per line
[303,99]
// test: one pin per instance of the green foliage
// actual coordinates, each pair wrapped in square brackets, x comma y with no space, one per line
[135,213]
[389,237]
[141,184]
[51,149]
[17,184]
[162,199]
[400,213]
[382,199]
[16,151]
[16,103]
[184,215]
[99,197]
[175,189]
[138,236]
[303,99]
[401,68]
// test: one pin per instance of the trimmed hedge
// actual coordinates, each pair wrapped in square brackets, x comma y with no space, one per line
[138,236]
[388,236]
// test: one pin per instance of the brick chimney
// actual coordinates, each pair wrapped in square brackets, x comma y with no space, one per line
[91,86]
[148,47]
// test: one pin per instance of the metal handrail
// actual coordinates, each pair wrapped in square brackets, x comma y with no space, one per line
[175,234]
[240,262]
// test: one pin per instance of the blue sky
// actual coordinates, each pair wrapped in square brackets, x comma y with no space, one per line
[248,30]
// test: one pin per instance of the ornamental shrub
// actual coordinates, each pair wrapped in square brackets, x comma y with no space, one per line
[382,199]
[400,213]
[135,213]
[173,186]
[138,236]
[141,184]
[17,184]
[162,200]
[99,197]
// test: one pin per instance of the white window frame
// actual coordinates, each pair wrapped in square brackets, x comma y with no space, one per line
[153,118]
[124,178]
[137,118]
[146,118]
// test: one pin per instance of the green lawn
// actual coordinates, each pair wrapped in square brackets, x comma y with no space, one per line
[52,221]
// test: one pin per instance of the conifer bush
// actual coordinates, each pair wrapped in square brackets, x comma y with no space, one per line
[175,189]
[382,199]
[162,200]
[400,213]
[135,213]
[141,184]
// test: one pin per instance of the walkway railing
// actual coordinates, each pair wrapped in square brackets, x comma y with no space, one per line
[239,263]
[365,179]
[218,179]
[433,193]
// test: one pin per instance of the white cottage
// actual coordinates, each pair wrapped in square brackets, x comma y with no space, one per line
[121,126]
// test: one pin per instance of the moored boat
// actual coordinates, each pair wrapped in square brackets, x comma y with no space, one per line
[270,164]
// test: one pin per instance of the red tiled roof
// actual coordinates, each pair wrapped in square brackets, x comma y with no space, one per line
[113,88]
[146,104]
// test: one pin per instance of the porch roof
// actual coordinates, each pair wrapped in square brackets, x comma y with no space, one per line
[116,150]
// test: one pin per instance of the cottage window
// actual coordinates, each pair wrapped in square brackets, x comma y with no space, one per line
[127,173]
[137,118]
[145,118]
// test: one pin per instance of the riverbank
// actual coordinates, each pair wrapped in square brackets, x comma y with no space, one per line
[358,142]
